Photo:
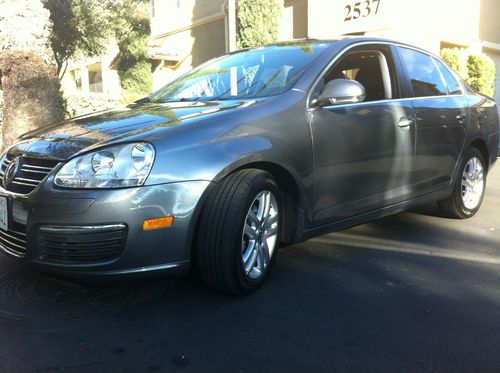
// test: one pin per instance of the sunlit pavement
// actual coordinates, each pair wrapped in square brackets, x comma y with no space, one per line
[413,292]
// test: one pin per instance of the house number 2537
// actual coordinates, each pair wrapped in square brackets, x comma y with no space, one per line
[361,9]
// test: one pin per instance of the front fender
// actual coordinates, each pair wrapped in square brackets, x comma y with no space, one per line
[207,161]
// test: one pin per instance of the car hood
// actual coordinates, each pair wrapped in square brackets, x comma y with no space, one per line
[63,140]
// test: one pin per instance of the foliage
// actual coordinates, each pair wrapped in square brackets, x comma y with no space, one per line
[78,105]
[79,27]
[482,72]
[456,58]
[478,70]
[132,29]
[258,22]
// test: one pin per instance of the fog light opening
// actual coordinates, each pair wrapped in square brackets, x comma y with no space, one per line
[157,223]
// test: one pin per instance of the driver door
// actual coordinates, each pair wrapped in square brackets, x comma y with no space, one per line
[363,152]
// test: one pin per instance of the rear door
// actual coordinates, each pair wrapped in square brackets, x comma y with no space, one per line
[442,117]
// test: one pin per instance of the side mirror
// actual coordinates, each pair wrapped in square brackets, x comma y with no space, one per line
[341,91]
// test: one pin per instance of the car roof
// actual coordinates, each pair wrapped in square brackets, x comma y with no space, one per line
[346,41]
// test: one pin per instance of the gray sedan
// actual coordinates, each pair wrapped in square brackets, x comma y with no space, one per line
[260,147]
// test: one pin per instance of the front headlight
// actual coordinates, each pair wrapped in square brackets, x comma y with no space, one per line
[113,167]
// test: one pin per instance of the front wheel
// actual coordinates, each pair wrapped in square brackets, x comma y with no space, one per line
[238,232]
[468,190]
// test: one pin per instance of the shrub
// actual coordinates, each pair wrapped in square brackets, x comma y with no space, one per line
[456,58]
[482,73]
[258,22]
[132,34]
[134,66]
[478,70]
[78,105]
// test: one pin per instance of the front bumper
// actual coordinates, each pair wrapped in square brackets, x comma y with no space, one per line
[74,232]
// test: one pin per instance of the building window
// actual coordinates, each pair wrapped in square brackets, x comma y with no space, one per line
[95,78]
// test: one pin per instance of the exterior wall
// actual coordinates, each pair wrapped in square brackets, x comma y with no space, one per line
[425,23]
[189,32]
[171,15]
[294,20]
[489,26]
[489,32]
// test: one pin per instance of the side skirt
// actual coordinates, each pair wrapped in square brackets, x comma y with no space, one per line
[375,214]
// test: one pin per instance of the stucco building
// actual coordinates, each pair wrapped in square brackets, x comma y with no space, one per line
[186,33]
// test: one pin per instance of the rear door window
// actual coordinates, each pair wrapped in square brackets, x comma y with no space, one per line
[424,76]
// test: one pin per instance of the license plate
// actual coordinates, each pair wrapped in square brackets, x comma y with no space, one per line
[4,215]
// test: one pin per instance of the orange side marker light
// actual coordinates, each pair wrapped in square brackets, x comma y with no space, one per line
[157,223]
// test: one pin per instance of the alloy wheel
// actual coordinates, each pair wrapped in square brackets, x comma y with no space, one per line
[260,234]
[472,183]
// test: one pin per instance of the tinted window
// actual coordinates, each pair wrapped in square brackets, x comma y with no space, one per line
[453,86]
[255,73]
[423,73]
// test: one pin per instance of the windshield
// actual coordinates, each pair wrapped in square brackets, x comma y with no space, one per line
[261,72]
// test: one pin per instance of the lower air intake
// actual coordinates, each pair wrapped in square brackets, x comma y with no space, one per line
[81,244]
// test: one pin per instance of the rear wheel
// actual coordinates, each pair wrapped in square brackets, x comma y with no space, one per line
[468,190]
[238,232]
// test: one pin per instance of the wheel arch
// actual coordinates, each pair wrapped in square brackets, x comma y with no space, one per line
[293,201]
[481,145]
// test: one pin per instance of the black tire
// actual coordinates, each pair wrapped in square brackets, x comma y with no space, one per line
[220,230]
[454,206]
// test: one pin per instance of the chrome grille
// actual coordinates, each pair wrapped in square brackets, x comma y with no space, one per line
[31,173]
[13,242]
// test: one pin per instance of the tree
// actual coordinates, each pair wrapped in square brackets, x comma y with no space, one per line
[132,30]
[27,71]
[258,22]
[80,27]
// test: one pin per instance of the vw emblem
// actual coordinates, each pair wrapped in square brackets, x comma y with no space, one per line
[11,171]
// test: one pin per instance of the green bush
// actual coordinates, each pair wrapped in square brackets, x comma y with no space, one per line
[482,73]
[456,58]
[134,66]
[77,104]
[478,70]
[132,30]
[258,22]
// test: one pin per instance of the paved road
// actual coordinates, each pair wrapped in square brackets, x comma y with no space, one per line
[412,292]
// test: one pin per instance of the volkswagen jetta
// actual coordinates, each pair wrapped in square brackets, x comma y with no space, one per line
[260,147]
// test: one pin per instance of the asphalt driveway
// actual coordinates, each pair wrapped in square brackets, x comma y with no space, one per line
[413,292]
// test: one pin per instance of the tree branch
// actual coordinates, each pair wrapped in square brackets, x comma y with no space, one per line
[61,75]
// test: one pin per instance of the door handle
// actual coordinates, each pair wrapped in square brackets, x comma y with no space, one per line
[405,122]
[461,118]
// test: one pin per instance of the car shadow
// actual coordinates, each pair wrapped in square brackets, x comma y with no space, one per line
[331,303]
